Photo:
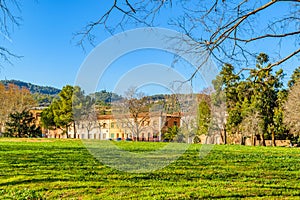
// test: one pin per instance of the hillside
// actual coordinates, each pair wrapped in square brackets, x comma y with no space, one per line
[33,88]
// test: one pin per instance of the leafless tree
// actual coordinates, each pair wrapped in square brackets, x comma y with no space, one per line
[227,29]
[8,21]
[251,127]
[132,112]
[13,99]
[292,109]
[89,122]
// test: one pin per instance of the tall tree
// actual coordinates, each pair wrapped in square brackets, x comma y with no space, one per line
[70,108]
[266,88]
[60,112]
[219,107]
[227,88]
[292,109]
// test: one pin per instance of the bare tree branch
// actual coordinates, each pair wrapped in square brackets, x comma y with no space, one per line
[223,28]
[7,22]
[265,36]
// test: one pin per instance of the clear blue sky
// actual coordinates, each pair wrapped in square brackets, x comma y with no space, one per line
[45,40]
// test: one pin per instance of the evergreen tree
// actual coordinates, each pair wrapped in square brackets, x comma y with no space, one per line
[22,124]
[204,118]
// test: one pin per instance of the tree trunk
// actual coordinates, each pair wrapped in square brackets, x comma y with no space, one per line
[67,132]
[242,140]
[74,129]
[253,140]
[262,139]
[273,139]
[225,136]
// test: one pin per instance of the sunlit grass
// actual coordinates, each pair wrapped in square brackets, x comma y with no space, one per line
[64,169]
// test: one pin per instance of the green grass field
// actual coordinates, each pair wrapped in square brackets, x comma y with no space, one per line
[64,169]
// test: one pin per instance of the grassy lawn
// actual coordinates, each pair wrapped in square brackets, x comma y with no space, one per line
[64,169]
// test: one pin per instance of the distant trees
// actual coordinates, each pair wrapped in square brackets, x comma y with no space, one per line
[22,124]
[34,89]
[254,101]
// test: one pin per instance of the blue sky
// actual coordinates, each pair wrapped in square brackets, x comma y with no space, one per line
[50,55]
[44,39]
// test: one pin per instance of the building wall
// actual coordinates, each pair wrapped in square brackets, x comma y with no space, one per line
[107,127]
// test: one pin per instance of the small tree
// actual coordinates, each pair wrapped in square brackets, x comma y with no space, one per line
[47,118]
[204,118]
[172,134]
[22,124]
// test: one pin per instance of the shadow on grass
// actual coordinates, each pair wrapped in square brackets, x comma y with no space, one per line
[34,180]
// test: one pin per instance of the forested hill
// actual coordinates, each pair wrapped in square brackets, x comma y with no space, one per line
[33,88]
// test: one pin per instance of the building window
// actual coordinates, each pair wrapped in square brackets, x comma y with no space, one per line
[175,123]
[112,125]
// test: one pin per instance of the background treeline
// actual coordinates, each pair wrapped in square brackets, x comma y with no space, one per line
[42,94]
[250,104]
